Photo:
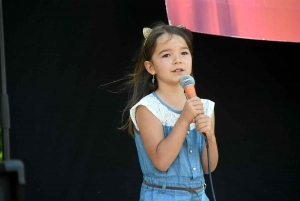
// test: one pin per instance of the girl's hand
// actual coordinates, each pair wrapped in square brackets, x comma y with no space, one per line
[192,108]
[204,125]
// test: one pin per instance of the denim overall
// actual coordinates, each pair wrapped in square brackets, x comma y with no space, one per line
[184,180]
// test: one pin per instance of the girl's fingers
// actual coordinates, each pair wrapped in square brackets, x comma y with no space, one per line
[202,116]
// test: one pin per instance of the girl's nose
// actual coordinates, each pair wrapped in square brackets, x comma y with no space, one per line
[177,60]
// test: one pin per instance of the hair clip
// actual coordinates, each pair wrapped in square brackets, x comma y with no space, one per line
[181,26]
[147,31]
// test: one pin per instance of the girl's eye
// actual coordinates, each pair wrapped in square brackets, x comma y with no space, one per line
[166,55]
[184,53]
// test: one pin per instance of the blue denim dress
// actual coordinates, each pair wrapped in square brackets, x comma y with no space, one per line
[186,170]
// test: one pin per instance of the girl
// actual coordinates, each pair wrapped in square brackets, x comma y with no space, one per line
[165,124]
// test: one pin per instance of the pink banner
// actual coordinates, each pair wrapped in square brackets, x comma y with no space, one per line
[274,20]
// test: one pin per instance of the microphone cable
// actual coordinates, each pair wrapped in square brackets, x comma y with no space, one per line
[209,170]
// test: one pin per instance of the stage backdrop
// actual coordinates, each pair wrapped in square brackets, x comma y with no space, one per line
[275,20]
[64,128]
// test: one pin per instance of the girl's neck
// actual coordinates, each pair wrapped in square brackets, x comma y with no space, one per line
[174,97]
[170,89]
[175,94]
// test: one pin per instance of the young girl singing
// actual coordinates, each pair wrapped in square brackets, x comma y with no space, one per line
[167,126]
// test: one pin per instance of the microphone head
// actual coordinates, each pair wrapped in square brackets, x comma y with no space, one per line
[187,80]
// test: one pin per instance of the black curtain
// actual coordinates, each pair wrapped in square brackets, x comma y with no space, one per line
[64,128]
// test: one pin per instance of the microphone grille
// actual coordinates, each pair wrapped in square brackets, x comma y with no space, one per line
[187,80]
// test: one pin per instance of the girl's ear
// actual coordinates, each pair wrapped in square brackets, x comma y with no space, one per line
[149,67]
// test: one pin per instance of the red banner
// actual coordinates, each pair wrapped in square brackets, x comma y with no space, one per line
[275,20]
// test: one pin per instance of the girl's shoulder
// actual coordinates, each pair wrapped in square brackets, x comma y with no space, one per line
[148,98]
[151,103]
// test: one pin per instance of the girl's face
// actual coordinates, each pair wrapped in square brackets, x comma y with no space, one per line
[171,59]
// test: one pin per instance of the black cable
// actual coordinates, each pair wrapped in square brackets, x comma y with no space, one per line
[209,170]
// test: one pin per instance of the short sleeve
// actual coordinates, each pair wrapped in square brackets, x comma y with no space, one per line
[150,102]
[208,106]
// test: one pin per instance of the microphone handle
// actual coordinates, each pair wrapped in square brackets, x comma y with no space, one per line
[190,91]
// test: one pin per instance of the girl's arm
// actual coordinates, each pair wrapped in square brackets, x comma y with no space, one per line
[206,125]
[163,151]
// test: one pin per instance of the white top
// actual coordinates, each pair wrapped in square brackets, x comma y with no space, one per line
[163,112]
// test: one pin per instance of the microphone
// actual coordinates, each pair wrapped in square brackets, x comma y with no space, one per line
[187,82]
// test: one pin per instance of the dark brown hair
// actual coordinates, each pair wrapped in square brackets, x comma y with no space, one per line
[140,80]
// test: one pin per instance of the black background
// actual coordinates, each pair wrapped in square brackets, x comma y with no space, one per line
[64,128]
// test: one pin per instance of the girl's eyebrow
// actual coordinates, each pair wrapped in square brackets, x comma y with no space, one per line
[166,50]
